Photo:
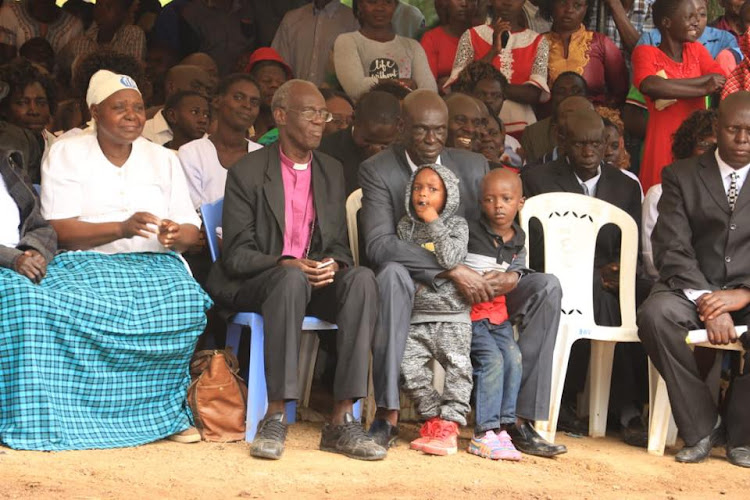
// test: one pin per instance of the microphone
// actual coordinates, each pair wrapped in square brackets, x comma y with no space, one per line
[504,37]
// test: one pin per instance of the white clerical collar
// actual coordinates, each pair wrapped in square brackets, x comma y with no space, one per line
[414,166]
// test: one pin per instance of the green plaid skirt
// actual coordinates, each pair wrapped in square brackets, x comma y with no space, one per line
[97,355]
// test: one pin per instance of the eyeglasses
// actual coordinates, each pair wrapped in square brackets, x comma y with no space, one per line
[313,114]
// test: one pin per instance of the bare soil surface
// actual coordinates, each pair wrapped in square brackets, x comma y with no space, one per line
[592,469]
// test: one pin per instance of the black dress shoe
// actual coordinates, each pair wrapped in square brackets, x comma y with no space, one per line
[702,449]
[739,455]
[528,441]
[383,432]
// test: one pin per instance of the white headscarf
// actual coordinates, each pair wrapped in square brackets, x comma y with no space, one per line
[104,83]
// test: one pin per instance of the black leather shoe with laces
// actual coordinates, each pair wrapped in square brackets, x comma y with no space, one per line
[383,432]
[269,441]
[351,440]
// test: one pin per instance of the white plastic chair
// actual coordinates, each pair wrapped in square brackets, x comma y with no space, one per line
[662,430]
[571,224]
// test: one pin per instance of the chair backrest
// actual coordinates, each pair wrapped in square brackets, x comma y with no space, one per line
[571,223]
[353,204]
[211,213]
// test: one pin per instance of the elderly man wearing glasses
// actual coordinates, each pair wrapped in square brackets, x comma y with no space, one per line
[286,254]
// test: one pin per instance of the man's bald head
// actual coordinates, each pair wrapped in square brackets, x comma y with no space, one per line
[425,126]
[502,175]
[569,104]
[424,99]
[186,77]
[203,61]
[733,129]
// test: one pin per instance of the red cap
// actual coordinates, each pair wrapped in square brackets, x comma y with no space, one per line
[268,54]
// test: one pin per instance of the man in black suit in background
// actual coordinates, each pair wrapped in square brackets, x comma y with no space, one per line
[701,244]
[377,118]
[286,255]
[533,300]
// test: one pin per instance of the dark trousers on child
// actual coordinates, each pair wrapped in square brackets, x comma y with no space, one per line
[497,364]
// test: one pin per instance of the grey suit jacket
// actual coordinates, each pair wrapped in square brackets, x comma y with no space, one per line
[383,179]
[36,233]
[698,242]
[253,219]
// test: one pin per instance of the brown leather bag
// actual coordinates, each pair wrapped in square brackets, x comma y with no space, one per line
[217,396]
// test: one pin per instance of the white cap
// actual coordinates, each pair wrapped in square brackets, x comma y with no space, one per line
[104,83]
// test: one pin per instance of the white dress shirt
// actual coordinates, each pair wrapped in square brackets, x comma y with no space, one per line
[157,130]
[649,216]
[726,178]
[10,232]
[206,177]
[414,166]
[79,181]
[589,186]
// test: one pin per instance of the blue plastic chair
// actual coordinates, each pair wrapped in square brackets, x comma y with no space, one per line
[38,189]
[257,396]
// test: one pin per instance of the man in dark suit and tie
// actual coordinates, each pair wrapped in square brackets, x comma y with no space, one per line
[701,243]
[533,300]
[286,255]
[580,169]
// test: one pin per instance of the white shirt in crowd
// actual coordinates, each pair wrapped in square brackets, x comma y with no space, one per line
[157,130]
[79,181]
[649,216]
[206,177]
[726,172]
[10,233]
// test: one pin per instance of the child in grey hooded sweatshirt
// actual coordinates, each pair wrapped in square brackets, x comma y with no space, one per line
[440,322]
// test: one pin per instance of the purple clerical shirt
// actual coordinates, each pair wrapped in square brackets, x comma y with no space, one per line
[299,210]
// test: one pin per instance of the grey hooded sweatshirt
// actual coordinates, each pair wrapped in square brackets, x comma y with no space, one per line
[447,237]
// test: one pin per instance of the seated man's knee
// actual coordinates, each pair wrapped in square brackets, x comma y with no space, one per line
[362,277]
[550,284]
[393,275]
[291,279]
[653,312]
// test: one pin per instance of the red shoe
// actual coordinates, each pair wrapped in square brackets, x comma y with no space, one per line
[445,441]
[426,433]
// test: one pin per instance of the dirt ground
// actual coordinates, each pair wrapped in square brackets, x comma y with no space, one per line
[592,469]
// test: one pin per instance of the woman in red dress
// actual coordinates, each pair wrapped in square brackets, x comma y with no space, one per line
[440,44]
[675,77]
[519,53]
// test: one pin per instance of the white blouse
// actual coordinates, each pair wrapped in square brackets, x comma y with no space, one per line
[79,181]
[206,176]
[10,233]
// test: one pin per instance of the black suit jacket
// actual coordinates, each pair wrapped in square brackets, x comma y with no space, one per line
[253,219]
[613,187]
[698,242]
[383,179]
[341,146]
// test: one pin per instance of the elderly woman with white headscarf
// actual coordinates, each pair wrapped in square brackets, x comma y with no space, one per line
[96,354]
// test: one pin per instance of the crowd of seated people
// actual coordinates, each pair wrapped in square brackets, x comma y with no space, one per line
[119,120]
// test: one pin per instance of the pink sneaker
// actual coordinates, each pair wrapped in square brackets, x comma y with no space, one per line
[488,446]
[445,440]
[507,450]
[426,433]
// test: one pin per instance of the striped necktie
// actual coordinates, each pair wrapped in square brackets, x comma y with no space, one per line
[732,192]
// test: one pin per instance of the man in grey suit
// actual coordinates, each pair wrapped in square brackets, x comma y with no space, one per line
[701,242]
[286,255]
[533,300]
